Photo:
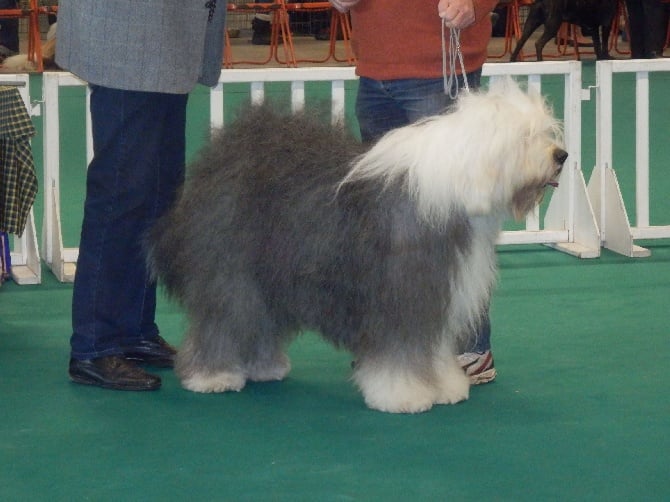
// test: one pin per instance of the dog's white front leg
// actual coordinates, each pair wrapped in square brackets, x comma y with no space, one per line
[453,382]
[388,387]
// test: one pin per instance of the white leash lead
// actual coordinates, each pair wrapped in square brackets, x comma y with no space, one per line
[454,53]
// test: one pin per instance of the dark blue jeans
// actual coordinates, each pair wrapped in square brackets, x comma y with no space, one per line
[137,167]
[382,105]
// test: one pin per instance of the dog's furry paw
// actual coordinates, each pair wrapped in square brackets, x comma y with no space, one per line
[217,382]
[454,390]
[393,391]
[398,406]
[453,382]
[269,371]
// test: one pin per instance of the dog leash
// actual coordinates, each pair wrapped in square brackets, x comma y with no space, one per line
[454,53]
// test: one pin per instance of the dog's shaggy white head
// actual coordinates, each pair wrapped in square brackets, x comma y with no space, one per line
[494,153]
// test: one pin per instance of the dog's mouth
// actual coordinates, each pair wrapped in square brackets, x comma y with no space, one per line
[560,156]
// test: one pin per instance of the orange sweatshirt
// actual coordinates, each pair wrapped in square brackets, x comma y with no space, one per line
[395,39]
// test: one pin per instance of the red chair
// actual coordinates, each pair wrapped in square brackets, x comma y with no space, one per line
[512,30]
[516,27]
[279,30]
[339,24]
[570,35]
[620,21]
[48,9]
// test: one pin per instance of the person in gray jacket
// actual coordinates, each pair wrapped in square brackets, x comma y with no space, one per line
[140,59]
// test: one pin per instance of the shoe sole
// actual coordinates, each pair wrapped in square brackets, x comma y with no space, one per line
[483,377]
[94,383]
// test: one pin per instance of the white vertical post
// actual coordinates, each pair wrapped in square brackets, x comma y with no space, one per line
[51,146]
[297,96]
[533,218]
[60,260]
[257,92]
[604,140]
[338,101]
[642,149]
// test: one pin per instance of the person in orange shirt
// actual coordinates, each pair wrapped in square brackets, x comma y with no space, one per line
[399,48]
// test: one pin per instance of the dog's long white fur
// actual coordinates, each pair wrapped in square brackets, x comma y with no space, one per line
[473,157]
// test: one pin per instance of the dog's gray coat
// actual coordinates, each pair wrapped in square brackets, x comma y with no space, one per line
[288,224]
[262,245]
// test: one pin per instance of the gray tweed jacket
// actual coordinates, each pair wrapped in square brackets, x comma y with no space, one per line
[141,45]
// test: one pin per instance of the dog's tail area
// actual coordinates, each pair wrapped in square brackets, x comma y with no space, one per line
[162,245]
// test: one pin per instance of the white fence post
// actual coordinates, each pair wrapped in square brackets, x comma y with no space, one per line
[296,76]
[60,260]
[617,233]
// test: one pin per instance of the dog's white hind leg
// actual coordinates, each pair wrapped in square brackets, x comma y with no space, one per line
[387,387]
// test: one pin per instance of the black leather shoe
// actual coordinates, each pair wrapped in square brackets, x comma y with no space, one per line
[156,352]
[112,372]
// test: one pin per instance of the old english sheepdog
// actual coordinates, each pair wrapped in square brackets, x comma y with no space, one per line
[287,224]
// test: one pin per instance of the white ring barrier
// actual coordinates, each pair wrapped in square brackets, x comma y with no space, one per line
[59,259]
[569,223]
[617,232]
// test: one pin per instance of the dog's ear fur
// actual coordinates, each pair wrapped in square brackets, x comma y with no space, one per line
[473,158]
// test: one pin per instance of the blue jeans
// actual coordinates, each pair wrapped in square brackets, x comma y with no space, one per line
[138,165]
[382,105]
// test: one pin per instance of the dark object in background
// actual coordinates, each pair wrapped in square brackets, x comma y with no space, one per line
[499,21]
[262,31]
[593,16]
[9,29]
[647,21]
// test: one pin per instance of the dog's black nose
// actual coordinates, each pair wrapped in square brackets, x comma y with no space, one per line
[560,155]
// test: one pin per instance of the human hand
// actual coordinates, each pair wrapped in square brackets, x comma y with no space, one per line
[343,5]
[456,13]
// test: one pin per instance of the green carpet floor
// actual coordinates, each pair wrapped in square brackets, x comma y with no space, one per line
[580,409]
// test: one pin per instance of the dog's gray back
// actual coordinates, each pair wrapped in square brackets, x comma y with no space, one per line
[261,210]
[263,167]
